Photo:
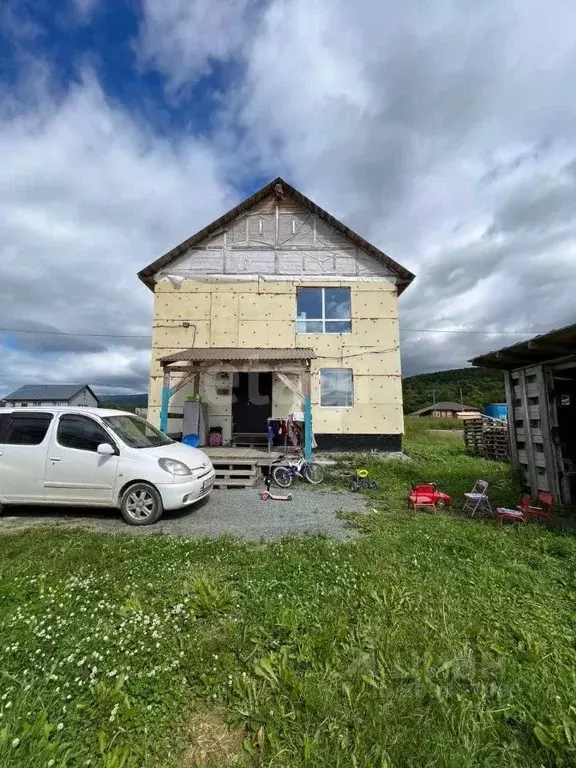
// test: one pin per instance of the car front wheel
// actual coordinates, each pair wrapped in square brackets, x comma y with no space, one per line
[141,504]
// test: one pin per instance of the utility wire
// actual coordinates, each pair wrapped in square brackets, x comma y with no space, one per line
[148,336]
[65,333]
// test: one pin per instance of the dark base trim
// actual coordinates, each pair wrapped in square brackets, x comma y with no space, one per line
[352,442]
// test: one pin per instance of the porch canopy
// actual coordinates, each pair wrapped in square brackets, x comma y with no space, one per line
[197,360]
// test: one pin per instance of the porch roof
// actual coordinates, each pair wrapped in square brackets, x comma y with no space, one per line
[246,354]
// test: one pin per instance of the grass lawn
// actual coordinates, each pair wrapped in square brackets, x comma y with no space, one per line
[431,640]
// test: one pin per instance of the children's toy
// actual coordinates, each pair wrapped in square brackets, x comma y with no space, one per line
[360,480]
[267,494]
[428,495]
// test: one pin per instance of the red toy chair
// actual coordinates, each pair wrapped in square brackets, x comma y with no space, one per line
[527,511]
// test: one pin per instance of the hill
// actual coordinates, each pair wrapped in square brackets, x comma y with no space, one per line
[479,386]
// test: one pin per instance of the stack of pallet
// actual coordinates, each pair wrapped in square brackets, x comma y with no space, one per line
[496,444]
[474,436]
[488,438]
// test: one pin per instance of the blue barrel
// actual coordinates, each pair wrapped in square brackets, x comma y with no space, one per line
[497,410]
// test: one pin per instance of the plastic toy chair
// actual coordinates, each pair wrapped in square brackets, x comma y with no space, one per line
[477,500]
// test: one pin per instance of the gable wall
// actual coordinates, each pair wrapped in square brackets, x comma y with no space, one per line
[277,237]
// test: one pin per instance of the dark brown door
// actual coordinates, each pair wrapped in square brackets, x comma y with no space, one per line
[251,402]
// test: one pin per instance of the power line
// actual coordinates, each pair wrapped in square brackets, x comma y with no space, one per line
[472,330]
[148,336]
[65,333]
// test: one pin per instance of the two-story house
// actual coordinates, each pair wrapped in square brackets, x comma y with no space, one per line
[275,309]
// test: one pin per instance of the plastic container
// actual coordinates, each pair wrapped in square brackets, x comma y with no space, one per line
[496,410]
[191,440]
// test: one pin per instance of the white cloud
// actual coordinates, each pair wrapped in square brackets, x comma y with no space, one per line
[441,134]
[89,197]
[85,8]
[182,38]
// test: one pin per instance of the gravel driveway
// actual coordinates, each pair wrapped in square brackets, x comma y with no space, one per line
[238,513]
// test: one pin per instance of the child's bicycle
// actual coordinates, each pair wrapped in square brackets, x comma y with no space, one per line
[360,481]
[283,474]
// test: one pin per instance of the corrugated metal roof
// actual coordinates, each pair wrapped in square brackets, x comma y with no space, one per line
[46,392]
[404,275]
[546,347]
[246,354]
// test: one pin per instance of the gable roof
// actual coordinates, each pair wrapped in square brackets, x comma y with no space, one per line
[404,275]
[48,392]
[444,405]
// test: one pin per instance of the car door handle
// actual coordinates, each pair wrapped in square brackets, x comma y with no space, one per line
[54,458]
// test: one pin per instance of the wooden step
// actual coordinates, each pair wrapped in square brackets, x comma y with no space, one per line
[236,473]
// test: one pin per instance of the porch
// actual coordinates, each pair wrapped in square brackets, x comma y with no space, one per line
[236,392]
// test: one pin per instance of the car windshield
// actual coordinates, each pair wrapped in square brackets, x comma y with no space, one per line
[136,432]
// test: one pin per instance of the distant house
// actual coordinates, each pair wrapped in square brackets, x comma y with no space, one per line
[52,394]
[444,410]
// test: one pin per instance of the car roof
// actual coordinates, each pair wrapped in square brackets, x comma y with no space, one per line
[68,409]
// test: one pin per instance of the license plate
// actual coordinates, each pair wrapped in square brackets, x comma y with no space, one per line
[207,484]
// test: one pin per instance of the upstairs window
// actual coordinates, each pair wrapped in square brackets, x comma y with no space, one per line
[323,310]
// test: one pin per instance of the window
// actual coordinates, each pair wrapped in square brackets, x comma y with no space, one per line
[136,432]
[336,387]
[81,432]
[323,310]
[24,429]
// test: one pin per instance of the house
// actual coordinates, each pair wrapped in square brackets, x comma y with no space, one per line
[278,309]
[540,380]
[52,394]
[445,409]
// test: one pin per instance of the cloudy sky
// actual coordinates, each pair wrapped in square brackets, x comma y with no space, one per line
[444,132]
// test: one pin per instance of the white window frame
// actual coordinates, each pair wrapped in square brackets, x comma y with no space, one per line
[323,319]
[351,370]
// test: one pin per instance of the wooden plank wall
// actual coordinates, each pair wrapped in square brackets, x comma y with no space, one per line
[529,425]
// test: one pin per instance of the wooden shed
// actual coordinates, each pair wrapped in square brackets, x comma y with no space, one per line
[540,379]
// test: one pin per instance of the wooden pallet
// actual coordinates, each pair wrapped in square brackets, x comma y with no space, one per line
[236,473]
[249,439]
[487,439]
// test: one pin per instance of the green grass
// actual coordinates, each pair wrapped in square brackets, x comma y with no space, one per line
[419,423]
[431,640]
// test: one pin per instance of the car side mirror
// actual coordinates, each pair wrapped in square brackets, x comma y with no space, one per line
[105,449]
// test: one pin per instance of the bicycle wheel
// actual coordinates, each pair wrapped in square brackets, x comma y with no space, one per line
[282,477]
[314,473]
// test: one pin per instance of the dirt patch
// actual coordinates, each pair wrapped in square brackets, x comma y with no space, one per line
[214,744]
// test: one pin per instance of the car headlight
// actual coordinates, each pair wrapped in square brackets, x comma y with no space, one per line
[174,467]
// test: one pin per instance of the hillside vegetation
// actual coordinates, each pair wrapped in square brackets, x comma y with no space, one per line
[479,386]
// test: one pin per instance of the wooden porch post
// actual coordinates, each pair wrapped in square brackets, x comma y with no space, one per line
[307,414]
[166,393]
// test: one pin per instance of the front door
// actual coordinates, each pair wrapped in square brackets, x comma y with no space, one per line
[75,473]
[251,402]
[23,442]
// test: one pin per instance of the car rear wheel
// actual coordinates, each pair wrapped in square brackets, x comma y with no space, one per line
[141,504]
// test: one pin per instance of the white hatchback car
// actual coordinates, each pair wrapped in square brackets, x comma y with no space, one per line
[99,458]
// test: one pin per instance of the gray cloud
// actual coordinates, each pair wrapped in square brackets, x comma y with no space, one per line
[443,132]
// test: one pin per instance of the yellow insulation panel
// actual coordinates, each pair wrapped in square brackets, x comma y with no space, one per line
[262,313]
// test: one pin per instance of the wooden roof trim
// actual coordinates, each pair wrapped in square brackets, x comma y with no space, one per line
[545,348]
[404,275]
